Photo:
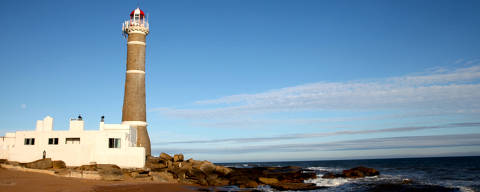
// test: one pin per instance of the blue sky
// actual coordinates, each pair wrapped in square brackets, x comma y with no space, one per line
[248,80]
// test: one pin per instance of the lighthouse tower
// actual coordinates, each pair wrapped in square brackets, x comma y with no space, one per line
[133,113]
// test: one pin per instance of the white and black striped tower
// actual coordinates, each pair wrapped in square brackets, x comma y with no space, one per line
[133,113]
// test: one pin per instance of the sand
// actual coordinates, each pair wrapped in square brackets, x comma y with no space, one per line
[13,181]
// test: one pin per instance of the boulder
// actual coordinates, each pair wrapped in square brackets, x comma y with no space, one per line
[178,172]
[165,157]
[407,181]
[110,172]
[410,188]
[196,176]
[15,163]
[59,165]
[356,172]
[178,158]
[215,180]
[163,177]
[251,184]
[169,164]
[40,164]
[153,160]
[157,167]
[360,172]
[268,181]
[207,167]
[294,186]
[108,167]
[330,175]
[221,170]
[240,180]
[92,167]
[140,175]
[281,178]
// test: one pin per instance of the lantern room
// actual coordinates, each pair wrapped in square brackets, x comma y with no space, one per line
[137,16]
[138,22]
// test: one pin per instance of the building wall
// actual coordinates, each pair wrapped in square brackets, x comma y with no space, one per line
[93,146]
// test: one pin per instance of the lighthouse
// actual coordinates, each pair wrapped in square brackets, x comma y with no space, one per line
[136,30]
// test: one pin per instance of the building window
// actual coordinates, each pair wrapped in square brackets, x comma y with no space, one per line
[53,141]
[72,140]
[29,141]
[113,142]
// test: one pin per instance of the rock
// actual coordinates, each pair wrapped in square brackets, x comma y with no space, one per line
[221,181]
[331,175]
[407,181]
[169,165]
[221,170]
[295,186]
[251,184]
[152,159]
[15,163]
[140,175]
[282,178]
[268,181]
[393,187]
[240,180]
[92,167]
[165,157]
[108,167]
[179,172]
[157,167]
[359,172]
[163,177]
[356,172]
[207,167]
[178,158]
[40,164]
[110,172]
[197,176]
[59,165]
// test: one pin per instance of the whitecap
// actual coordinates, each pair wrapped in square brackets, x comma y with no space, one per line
[465,189]
[327,169]
[321,182]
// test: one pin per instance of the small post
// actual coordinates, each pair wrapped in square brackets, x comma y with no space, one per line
[44,154]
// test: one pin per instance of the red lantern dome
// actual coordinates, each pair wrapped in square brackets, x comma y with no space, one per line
[137,11]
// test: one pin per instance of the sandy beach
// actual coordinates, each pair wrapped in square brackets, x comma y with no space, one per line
[13,181]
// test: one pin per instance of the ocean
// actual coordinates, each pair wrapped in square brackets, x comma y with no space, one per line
[460,174]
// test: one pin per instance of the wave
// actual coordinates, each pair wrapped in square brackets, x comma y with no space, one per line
[326,169]
[320,182]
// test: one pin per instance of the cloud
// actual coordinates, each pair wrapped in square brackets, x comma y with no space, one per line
[432,141]
[23,106]
[315,135]
[446,90]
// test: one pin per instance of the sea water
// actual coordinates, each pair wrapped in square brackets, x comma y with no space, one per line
[456,173]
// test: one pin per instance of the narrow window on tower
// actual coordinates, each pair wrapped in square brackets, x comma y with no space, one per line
[113,142]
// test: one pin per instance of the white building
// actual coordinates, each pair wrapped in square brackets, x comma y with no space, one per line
[111,144]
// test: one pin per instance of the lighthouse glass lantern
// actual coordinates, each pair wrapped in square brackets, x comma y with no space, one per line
[137,22]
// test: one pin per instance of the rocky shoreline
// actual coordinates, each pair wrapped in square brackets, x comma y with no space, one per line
[168,169]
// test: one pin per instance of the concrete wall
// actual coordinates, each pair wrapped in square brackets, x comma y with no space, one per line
[93,146]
